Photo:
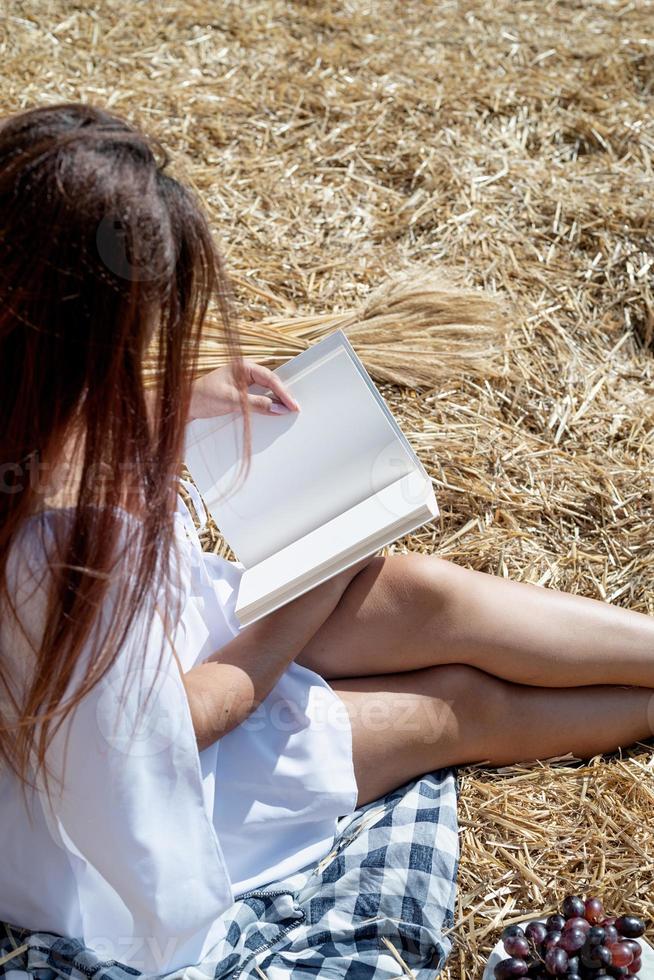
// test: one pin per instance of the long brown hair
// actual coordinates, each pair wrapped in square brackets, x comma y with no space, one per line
[103,256]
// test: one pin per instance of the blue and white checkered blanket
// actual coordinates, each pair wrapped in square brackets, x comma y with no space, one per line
[375,908]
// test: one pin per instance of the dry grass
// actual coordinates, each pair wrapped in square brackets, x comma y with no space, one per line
[337,143]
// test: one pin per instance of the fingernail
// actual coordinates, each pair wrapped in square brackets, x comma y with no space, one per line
[278,409]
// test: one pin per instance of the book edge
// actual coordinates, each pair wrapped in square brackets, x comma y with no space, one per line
[427,511]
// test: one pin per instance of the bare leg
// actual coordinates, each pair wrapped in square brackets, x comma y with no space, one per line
[413,611]
[407,724]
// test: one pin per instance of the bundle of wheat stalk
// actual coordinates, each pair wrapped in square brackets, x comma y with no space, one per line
[344,148]
[413,330]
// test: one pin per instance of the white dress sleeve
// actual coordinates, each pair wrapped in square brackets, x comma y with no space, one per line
[126,806]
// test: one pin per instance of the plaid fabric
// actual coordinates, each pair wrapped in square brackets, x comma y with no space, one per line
[374,909]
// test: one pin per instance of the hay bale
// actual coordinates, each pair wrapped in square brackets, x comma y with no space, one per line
[339,144]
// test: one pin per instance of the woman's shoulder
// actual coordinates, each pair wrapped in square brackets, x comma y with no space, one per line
[39,548]
[40,542]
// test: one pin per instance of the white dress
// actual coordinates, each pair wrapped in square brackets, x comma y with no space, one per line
[146,841]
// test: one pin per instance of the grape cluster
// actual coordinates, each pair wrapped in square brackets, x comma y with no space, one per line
[579,944]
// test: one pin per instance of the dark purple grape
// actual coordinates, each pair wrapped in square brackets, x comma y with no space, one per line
[619,971]
[630,926]
[555,923]
[596,956]
[536,932]
[587,957]
[571,940]
[517,946]
[604,955]
[579,923]
[611,935]
[573,905]
[595,936]
[514,930]
[573,964]
[551,940]
[556,962]
[634,946]
[594,910]
[572,976]
[622,954]
[509,968]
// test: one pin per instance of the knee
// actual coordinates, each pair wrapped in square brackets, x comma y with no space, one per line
[427,584]
[413,573]
[479,703]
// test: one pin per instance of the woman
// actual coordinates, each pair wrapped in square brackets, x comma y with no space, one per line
[157,759]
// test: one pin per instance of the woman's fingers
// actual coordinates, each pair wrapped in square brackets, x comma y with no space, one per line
[264,376]
[263,405]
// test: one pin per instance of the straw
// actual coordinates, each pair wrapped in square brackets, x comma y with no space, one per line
[506,147]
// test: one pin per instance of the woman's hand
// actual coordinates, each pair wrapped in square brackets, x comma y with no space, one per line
[216,393]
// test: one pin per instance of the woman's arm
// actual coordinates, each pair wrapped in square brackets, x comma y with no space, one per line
[225,689]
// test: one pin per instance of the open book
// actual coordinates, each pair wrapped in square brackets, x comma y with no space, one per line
[327,486]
